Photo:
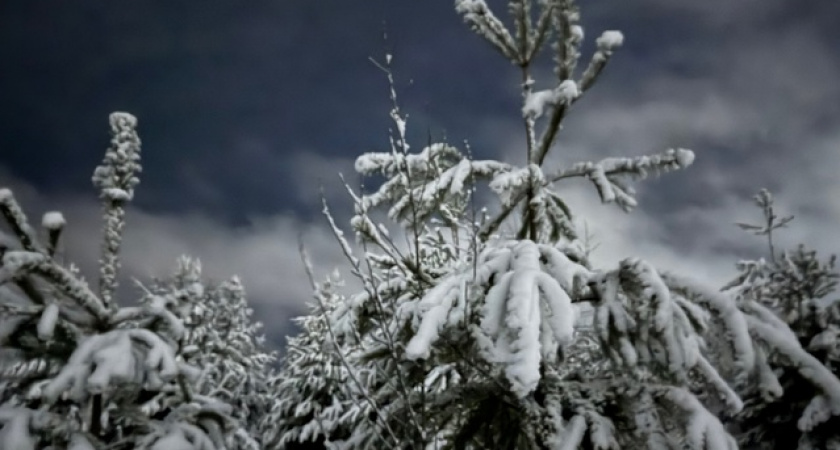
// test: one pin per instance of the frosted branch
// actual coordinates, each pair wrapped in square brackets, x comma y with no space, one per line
[608,41]
[17,221]
[809,367]
[482,20]
[116,178]
[20,262]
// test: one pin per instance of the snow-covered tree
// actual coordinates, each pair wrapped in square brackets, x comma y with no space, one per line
[311,388]
[226,343]
[461,334]
[800,289]
[78,369]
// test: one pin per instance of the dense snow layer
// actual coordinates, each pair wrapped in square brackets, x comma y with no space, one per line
[53,220]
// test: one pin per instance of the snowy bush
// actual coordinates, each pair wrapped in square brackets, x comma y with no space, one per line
[785,409]
[465,336]
[222,339]
[81,371]
[312,389]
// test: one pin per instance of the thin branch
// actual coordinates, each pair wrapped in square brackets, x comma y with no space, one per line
[351,373]
[392,347]
[16,218]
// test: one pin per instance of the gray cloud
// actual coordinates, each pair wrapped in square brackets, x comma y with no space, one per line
[718,12]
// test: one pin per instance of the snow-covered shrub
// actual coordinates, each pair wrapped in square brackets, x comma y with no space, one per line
[462,335]
[786,410]
[79,370]
[312,386]
[226,343]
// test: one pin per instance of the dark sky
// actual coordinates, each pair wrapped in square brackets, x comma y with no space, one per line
[246,107]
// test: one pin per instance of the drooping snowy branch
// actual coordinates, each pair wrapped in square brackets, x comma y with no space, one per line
[139,357]
[809,367]
[641,320]
[703,430]
[526,312]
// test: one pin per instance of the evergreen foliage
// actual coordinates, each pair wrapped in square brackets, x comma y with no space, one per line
[222,339]
[310,385]
[466,326]
[785,410]
[464,336]
[80,371]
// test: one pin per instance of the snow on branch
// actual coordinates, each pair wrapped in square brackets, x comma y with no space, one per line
[73,353]
[703,430]
[553,218]
[569,37]
[481,20]
[607,42]
[116,178]
[15,217]
[809,367]
[608,175]
[724,308]
[633,295]
[134,356]
[611,176]
[198,425]
[23,429]
[53,222]
[573,433]
[420,185]
[530,36]
[390,164]
[565,18]
[657,321]
[536,103]
[20,262]
[526,313]
[546,209]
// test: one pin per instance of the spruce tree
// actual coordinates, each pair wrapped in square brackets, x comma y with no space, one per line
[800,290]
[80,370]
[312,388]
[222,338]
[461,332]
